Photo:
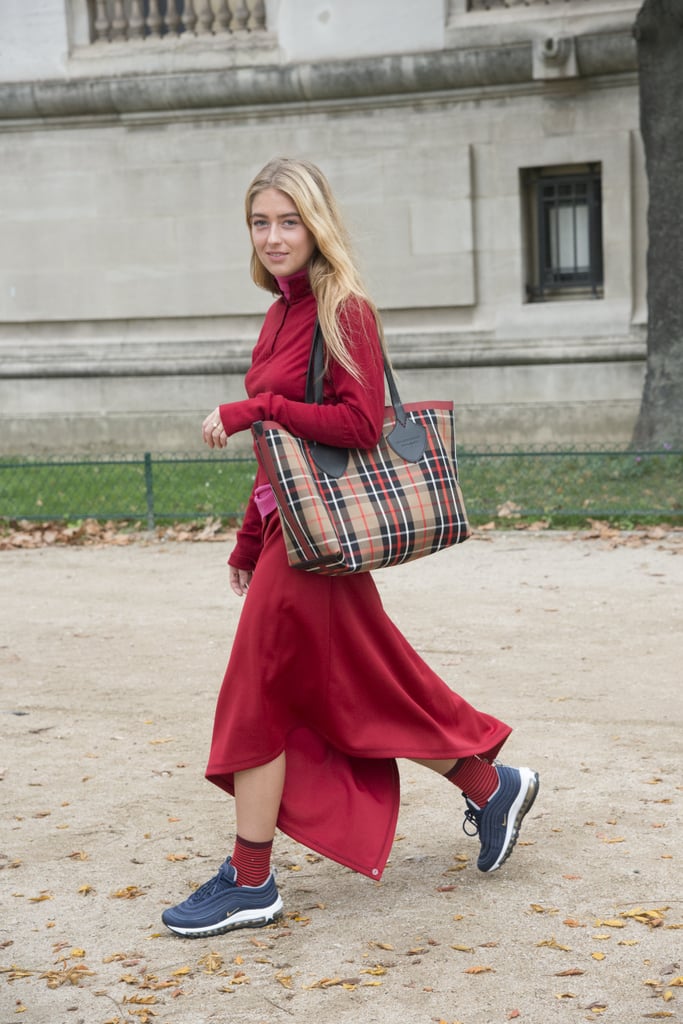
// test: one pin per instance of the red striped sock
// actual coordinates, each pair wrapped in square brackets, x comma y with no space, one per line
[251,861]
[478,779]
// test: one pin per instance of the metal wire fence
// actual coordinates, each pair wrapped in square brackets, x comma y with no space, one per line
[511,483]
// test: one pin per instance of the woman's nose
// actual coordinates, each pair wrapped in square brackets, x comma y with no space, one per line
[274,232]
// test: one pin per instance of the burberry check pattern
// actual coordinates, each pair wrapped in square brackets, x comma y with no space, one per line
[381,512]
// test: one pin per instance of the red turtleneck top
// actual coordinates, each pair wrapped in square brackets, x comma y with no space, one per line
[352,412]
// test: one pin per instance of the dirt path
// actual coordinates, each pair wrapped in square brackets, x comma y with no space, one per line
[110,660]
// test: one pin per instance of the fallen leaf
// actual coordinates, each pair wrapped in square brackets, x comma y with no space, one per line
[598,956]
[211,962]
[14,973]
[478,969]
[240,978]
[131,892]
[463,949]
[554,944]
[653,918]
[573,972]
[71,975]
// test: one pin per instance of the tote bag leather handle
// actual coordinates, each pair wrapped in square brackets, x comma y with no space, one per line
[408,439]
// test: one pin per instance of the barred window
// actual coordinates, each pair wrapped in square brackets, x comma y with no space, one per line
[563,227]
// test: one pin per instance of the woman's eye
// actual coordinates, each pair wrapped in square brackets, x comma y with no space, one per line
[259,223]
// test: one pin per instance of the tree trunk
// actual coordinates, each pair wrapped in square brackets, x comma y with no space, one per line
[659,35]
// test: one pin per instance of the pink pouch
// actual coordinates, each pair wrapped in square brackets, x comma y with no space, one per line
[265,500]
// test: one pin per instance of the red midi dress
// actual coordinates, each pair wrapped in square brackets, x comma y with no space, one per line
[317,668]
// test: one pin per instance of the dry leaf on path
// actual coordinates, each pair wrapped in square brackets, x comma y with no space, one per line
[554,944]
[211,962]
[131,892]
[68,975]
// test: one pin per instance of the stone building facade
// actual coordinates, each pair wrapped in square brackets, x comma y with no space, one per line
[486,154]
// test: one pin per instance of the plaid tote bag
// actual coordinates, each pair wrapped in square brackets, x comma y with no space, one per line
[350,510]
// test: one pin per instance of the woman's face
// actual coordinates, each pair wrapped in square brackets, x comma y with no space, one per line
[281,241]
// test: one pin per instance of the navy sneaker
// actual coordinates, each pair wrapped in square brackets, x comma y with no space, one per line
[220,905]
[499,822]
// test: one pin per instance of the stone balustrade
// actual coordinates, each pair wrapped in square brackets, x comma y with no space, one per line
[129,20]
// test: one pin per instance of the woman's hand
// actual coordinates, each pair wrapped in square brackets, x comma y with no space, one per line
[240,580]
[213,432]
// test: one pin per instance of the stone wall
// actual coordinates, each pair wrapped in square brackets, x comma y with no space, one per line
[126,308]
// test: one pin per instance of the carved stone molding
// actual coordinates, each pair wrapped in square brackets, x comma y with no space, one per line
[371,78]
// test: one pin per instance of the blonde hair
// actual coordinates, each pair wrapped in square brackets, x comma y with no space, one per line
[332,272]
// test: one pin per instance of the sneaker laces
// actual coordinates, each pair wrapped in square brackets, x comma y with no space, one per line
[219,881]
[472,817]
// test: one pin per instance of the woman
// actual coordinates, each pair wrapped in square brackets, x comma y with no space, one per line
[322,693]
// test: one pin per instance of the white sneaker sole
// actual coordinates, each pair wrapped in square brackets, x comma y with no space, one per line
[257,918]
[521,806]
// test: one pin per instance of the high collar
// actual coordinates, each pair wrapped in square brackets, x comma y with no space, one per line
[295,287]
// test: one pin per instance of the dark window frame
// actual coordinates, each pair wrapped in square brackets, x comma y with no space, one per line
[548,190]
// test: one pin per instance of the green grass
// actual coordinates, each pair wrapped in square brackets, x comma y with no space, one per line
[118,489]
[565,488]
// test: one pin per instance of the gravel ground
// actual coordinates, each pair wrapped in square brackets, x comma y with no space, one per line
[110,660]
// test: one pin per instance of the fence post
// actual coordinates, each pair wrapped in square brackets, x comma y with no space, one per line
[149,491]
